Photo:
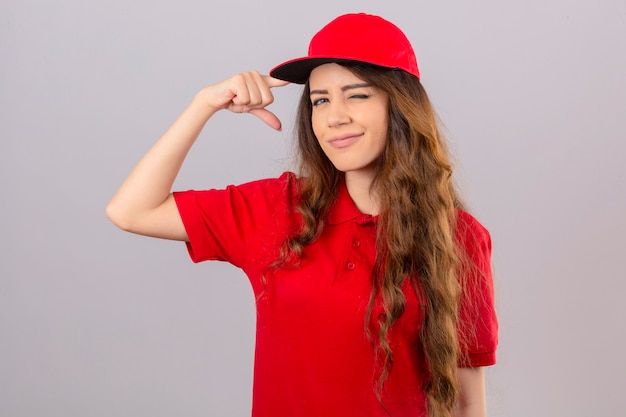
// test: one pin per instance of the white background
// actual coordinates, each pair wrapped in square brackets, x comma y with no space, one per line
[97,322]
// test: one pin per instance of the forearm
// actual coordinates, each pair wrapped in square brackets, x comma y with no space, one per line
[150,182]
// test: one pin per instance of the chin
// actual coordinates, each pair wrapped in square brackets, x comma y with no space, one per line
[343,168]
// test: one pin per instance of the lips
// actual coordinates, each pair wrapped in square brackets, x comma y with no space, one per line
[344,140]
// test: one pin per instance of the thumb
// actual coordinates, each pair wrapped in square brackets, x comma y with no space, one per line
[268,118]
[274,82]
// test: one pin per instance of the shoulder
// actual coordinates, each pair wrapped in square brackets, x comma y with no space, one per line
[473,238]
[465,223]
[261,189]
[469,230]
[255,199]
[286,184]
[273,193]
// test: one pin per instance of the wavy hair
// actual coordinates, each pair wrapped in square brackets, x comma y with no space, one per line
[415,235]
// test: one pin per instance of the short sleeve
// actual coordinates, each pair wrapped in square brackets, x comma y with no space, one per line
[478,323]
[222,224]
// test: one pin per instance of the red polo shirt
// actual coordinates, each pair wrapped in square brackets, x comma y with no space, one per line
[312,357]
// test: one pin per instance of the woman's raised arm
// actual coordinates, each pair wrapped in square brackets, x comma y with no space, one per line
[144,203]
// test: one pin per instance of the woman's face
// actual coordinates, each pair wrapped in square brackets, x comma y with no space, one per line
[349,118]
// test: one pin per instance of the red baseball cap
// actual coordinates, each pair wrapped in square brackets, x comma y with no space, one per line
[355,37]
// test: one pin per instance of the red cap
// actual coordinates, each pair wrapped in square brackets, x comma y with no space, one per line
[357,37]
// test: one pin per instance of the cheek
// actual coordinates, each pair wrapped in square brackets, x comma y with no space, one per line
[379,122]
[318,131]
[383,133]
[315,125]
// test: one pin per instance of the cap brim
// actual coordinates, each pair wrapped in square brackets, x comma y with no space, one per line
[298,70]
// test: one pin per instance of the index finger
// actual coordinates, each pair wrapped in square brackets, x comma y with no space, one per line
[273,82]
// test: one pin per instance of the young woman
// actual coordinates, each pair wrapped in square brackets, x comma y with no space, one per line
[373,285]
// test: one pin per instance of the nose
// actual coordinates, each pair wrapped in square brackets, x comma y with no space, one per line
[337,113]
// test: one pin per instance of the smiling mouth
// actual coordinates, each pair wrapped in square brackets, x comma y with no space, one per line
[345,140]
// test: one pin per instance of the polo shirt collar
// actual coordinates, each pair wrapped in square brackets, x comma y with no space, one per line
[344,209]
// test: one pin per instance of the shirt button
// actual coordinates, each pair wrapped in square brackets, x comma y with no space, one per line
[356,243]
[350,265]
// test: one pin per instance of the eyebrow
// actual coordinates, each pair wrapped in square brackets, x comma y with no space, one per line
[344,88]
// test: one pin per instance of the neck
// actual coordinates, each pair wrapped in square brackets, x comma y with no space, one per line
[359,187]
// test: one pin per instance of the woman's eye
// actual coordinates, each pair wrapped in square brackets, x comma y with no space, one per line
[318,101]
[360,96]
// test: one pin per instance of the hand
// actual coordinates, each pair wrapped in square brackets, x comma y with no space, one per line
[248,92]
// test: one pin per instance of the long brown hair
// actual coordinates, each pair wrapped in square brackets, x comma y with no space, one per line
[415,235]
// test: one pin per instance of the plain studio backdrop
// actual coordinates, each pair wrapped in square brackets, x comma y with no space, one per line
[98,322]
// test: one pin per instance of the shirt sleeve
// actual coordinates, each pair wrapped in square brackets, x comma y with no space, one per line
[222,224]
[478,323]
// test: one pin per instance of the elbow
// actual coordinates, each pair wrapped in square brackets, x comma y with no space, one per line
[118,217]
